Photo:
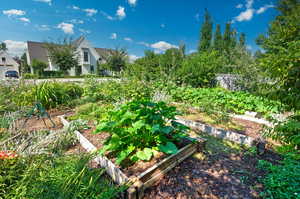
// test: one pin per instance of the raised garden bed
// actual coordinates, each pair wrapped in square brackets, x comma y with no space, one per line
[138,182]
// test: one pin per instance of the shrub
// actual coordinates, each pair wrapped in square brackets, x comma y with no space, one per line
[282,181]
[49,177]
[49,94]
[286,132]
[30,76]
[140,128]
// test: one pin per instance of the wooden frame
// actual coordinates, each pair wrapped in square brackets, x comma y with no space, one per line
[138,184]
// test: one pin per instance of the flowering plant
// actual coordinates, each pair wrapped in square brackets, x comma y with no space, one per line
[7,155]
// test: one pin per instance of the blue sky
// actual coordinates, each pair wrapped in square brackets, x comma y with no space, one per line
[134,24]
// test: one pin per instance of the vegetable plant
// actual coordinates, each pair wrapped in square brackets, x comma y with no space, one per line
[141,128]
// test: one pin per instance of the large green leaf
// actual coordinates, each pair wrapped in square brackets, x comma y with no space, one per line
[145,155]
[169,148]
[124,154]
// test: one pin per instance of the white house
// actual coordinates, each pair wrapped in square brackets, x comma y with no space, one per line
[7,63]
[88,56]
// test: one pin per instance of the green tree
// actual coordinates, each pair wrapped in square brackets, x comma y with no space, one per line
[25,68]
[206,33]
[199,70]
[116,59]
[242,40]
[218,40]
[3,46]
[227,37]
[38,66]
[281,59]
[63,54]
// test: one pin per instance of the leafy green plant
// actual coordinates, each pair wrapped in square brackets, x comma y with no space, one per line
[140,128]
[223,100]
[286,132]
[51,177]
[282,181]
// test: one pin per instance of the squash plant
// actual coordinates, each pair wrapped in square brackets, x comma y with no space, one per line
[139,129]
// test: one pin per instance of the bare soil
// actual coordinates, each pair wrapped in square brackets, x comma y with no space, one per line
[215,176]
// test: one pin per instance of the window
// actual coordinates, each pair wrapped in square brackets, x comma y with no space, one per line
[3,59]
[86,56]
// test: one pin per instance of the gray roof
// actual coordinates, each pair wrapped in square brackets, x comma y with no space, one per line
[37,51]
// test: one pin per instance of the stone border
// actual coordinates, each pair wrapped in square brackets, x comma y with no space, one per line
[138,184]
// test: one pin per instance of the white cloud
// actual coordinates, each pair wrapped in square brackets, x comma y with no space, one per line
[90,11]
[249,3]
[121,13]
[128,39]
[24,19]
[132,58]
[43,27]
[76,21]
[239,6]
[15,47]
[192,51]
[162,46]
[107,15]
[132,2]
[84,31]
[75,7]
[14,12]
[249,47]
[144,44]
[113,36]
[245,16]
[263,9]
[45,1]
[66,27]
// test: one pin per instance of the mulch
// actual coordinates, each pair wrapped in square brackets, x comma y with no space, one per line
[218,176]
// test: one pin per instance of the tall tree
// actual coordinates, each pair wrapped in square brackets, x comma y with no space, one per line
[63,53]
[3,46]
[206,33]
[281,58]
[242,40]
[227,37]
[233,39]
[116,59]
[218,40]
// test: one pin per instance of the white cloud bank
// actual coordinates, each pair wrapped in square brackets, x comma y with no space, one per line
[90,11]
[248,14]
[162,46]
[15,48]
[121,14]
[14,12]
[113,36]
[132,2]
[45,1]
[67,28]
[24,19]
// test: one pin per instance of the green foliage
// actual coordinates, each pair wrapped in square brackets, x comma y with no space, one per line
[286,132]
[30,76]
[49,94]
[48,177]
[63,54]
[139,128]
[116,60]
[282,181]
[3,46]
[199,70]
[218,40]
[222,100]
[281,58]
[38,66]
[206,33]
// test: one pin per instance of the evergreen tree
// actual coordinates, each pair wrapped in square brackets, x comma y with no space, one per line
[218,38]
[227,37]
[206,33]
[233,41]
[281,58]
[3,46]
[242,40]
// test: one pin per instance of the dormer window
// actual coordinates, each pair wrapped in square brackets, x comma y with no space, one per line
[3,59]
[85,56]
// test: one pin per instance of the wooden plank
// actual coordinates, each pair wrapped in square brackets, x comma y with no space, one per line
[220,133]
[114,172]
